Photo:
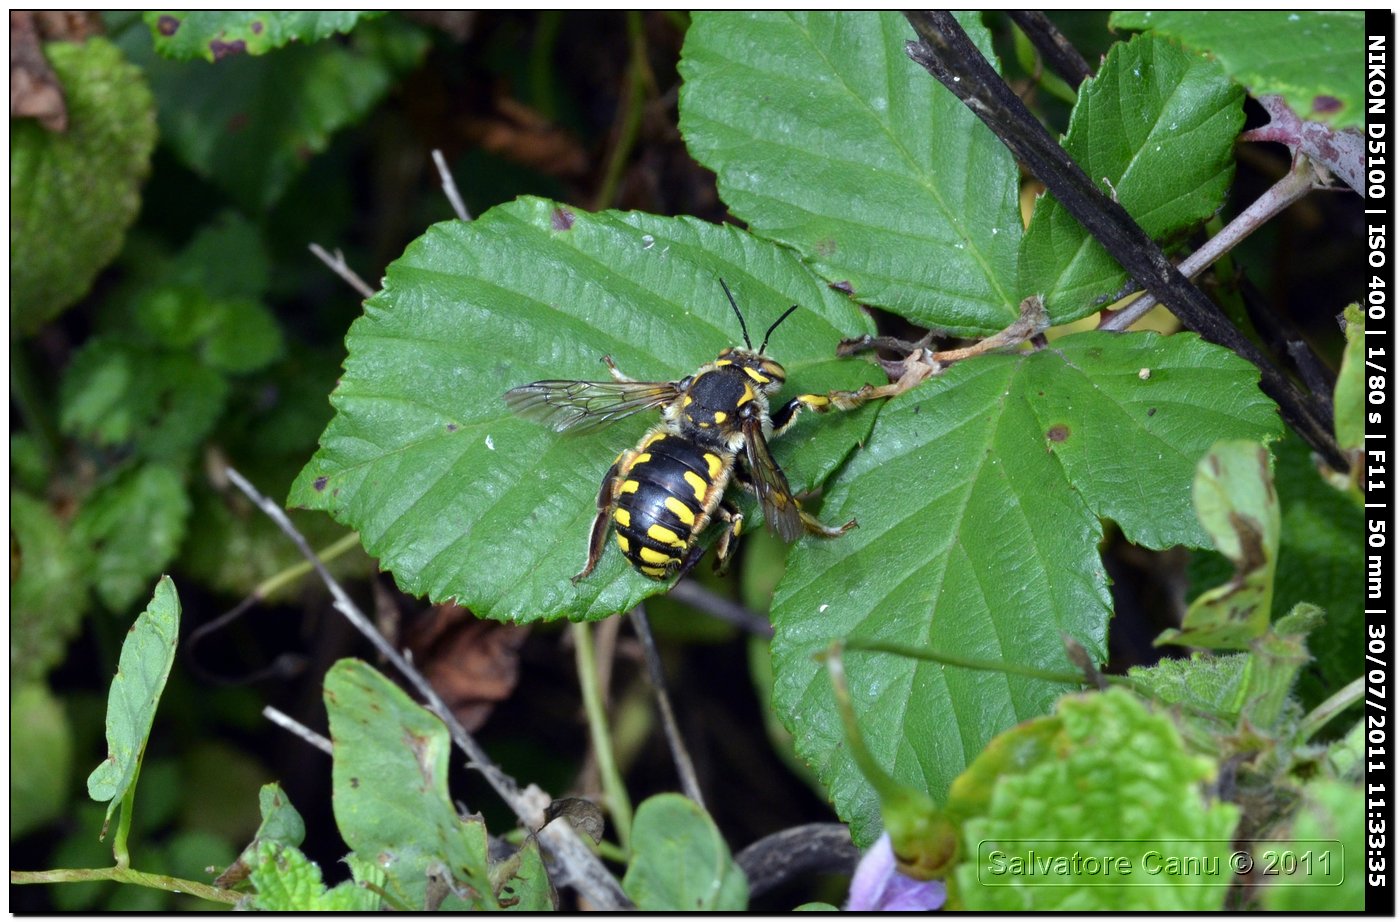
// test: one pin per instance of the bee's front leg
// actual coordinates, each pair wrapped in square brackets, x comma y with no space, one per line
[821,403]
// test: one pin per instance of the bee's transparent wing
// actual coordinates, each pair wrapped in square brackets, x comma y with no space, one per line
[585,405]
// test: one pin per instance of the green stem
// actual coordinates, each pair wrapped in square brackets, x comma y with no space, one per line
[855,645]
[631,115]
[888,789]
[612,852]
[541,64]
[618,803]
[33,409]
[1330,708]
[128,876]
[297,571]
[119,838]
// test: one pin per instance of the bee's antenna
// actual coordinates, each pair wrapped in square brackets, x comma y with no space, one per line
[774,327]
[743,326]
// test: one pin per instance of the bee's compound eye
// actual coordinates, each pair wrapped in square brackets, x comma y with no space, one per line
[774,370]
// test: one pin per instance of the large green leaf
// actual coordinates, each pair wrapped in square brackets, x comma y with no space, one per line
[251,124]
[72,195]
[215,34]
[147,655]
[1310,57]
[1115,783]
[1156,127]
[390,795]
[680,862]
[979,495]
[460,499]
[824,135]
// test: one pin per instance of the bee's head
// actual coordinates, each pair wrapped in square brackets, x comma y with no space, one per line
[766,373]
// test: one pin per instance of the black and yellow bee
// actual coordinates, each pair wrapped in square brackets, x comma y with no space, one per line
[715,426]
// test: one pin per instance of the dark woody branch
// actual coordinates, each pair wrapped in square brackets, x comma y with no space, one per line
[946,52]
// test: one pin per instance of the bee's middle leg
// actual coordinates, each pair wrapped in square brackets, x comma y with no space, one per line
[728,539]
[810,523]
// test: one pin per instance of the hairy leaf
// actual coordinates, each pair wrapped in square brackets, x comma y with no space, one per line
[1310,57]
[1116,783]
[825,136]
[48,588]
[1156,127]
[287,881]
[462,500]
[1327,825]
[72,195]
[979,495]
[120,392]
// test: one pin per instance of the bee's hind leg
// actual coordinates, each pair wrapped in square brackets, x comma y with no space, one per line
[607,498]
[814,527]
[615,372]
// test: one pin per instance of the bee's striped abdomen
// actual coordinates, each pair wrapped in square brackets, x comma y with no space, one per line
[665,498]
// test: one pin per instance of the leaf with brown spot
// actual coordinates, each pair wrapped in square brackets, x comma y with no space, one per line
[73,194]
[389,790]
[217,34]
[1236,502]
[978,542]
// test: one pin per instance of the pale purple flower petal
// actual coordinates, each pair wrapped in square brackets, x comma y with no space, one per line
[879,887]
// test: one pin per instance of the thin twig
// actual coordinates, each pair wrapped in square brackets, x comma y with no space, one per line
[338,265]
[296,728]
[449,187]
[583,871]
[946,52]
[684,767]
[691,593]
[1293,186]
